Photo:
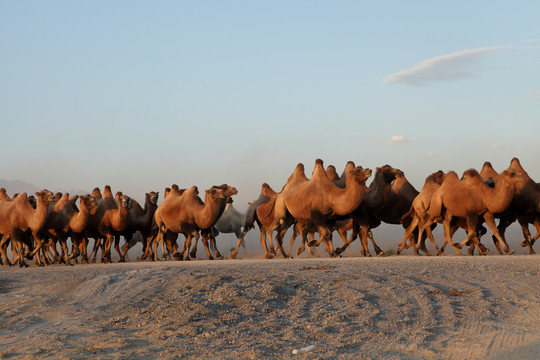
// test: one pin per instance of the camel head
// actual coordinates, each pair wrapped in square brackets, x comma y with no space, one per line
[227,190]
[125,201]
[45,196]
[514,176]
[438,176]
[388,173]
[215,194]
[88,201]
[360,174]
[152,197]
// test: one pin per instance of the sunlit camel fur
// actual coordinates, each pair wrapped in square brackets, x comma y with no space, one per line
[418,212]
[63,220]
[319,199]
[470,199]
[375,200]
[184,213]
[18,217]
[206,233]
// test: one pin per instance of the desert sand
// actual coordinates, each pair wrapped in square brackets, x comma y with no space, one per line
[396,307]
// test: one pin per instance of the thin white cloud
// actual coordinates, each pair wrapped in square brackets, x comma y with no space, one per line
[500,145]
[445,67]
[533,94]
[398,139]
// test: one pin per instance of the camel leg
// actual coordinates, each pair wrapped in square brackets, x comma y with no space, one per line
[527,235]
[214,245]
[63,245]
[408,231]
[205,243]
[240,241]
[3,249]
[490,221]
[293,237]
[279,242]
[447,236]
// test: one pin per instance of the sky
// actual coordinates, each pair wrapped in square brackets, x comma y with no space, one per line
[143,94]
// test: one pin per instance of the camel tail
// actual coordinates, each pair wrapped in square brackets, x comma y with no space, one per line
[408,214]
[251,214]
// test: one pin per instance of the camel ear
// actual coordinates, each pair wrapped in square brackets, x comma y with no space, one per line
[37,194]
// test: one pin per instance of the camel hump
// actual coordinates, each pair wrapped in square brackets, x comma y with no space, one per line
[515,164]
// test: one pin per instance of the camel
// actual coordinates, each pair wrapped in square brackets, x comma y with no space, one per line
[418,212]
[469,199]
[342,226]
[263,211]
[231,221]
[107,220]
[366,216]
[206,233]
[319,200]
[18,218]
[139,219]
[65,220]
[525,207]
[184,213]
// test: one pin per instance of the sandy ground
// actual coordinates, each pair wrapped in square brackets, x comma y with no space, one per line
[397,307]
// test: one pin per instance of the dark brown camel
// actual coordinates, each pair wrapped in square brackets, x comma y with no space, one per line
[140,219]
[525,207]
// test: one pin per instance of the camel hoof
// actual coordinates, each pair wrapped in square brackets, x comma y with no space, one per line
[457,245]
[177,257]
[510,252]
[312,243]
[269,256]
[523,243]
[219,257]
[379,254]
[233,255]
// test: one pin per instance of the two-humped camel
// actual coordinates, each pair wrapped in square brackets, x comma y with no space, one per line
[64,221]
[469,199]
[262,212]
[18,218]
[341,226]
[106,221]
[139,219]
[525,207]
[374,203]
[206,233]
[185,213]
[230,222]
[418,214]
[320,202]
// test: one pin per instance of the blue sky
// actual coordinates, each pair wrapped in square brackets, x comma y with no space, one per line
[143,94]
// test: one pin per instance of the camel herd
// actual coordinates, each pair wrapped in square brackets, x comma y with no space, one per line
[34,226]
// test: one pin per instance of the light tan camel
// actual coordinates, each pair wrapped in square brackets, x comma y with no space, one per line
[419,213]
[184,213]
[319,199]
[18,217]
[469,199]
